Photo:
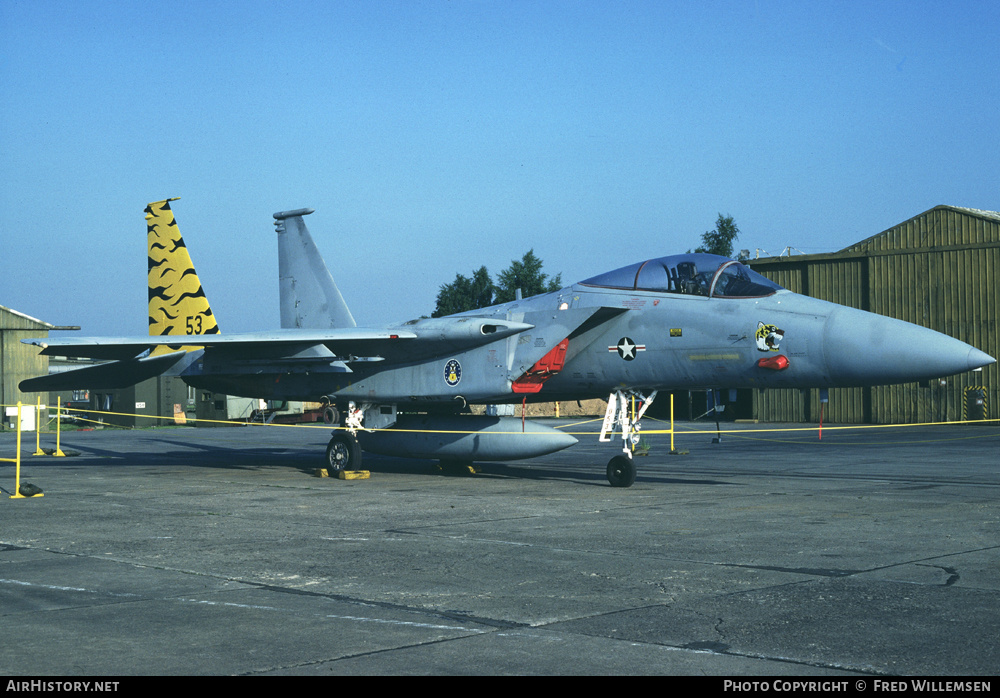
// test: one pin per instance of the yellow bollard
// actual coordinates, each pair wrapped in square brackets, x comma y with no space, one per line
[672,423]
[38,429]
[673,451]
[17,470]
[58,451]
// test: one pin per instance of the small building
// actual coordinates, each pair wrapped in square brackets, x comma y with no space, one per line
[154,402]
[938,270]
[21,361]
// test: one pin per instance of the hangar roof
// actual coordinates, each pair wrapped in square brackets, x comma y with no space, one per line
[11,319]
[935,227]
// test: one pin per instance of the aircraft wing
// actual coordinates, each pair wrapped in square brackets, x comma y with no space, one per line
[116,374]
[106,348]
[419,339]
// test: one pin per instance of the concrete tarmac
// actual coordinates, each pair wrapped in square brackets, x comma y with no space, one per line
[216,551]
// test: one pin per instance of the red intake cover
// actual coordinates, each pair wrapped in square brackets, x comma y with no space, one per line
[546,367]
[775,363]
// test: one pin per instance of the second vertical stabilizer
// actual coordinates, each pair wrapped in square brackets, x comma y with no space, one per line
[309,297]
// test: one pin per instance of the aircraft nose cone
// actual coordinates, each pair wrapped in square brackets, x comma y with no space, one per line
[979,359]
[868,349]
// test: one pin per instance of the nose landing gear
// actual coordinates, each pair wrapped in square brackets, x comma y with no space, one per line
[625,409]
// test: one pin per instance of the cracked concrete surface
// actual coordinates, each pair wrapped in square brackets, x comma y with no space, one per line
[215,551]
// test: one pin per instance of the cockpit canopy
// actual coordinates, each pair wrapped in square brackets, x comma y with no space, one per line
[693,274]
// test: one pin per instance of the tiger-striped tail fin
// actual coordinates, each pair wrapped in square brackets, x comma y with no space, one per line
[177,302]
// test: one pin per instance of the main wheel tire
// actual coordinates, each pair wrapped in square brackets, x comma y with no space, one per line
[331,415]
[621,471]
[343,453]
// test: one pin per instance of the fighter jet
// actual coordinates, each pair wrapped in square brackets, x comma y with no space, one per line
[686,321]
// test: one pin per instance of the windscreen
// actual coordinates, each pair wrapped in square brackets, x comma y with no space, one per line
[691,274]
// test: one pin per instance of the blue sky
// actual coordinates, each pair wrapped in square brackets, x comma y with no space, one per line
[434,137]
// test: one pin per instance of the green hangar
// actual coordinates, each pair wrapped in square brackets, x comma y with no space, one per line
[938,270]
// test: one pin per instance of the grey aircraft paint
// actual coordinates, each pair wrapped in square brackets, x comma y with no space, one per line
[692,321]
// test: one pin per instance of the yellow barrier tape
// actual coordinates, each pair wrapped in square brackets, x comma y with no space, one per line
[825,427]
[677,430]
[742,433]
[574,424]
[240,422]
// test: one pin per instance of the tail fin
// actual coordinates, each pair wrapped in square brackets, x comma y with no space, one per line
[177,302]
[309,297]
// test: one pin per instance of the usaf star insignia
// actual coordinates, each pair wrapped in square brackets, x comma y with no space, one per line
[627,349]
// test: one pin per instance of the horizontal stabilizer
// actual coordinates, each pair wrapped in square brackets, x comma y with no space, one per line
[117,374]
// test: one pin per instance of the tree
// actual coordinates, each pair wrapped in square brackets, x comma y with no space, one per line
[465,293]
[526,275]
[480,291]
[720,241]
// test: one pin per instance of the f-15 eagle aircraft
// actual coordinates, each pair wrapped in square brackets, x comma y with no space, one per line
[689,321]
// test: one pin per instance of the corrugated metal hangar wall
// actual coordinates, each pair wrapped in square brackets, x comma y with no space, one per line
[939,270]
[20,361]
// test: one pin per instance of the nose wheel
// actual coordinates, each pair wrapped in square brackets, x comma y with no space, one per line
[621,471]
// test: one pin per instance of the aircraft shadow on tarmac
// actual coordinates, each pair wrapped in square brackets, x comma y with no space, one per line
[582,474]
[172,452]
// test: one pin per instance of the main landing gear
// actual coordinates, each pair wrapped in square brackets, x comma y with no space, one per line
[625,409]
[343,453]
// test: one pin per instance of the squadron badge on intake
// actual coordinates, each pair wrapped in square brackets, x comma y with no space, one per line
[768,337]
